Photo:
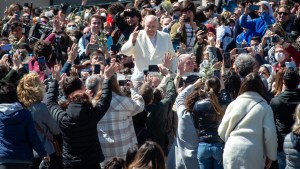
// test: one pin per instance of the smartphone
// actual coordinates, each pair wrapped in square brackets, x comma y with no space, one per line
[114,48]
[64,7]
[123,82]
[23,31]
[239,45]
[42,63]
[9,60]
[227,60]
[291,64]
[96,69]
[17,16]
[25,66]
[217,73]
[179,49]
[241,50]
[176,18]
[92,47]
[254,7]
[274,39]
[176,42]
[6,47]
[145,72]
[268,39]
[187,20]
[119,57]
[153,68]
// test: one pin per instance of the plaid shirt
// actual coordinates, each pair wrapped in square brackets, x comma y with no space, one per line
[115,130]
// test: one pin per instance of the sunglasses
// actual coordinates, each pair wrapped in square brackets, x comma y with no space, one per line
[71,25]
[284,13]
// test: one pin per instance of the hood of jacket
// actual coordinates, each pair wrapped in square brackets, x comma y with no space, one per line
[295,141]
[11,113]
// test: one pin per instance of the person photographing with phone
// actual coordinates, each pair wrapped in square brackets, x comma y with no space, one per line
[187,26]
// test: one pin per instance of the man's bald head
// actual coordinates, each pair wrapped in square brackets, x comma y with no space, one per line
[151,25]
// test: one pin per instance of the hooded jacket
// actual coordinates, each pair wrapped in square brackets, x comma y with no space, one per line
[18,135]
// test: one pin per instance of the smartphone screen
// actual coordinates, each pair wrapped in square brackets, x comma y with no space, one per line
[93,47]
[274,39]
[42,63]
[6,47]
[114,48]
[176,18]
[254,7]
[227,60]
[25,66]
[241,50]
[96,69]
[153,68]
[217,73]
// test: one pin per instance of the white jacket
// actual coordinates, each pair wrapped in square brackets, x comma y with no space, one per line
[254,137]
[145,54]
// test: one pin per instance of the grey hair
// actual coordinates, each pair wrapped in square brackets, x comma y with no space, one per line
[93,83]
[152,17]
[244,63]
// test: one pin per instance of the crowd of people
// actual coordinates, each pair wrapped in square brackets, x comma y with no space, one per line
[151,84]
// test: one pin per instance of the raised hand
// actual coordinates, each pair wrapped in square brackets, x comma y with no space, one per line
[56,72]
[72,53]
[180,67]
[167,61]
[135,34]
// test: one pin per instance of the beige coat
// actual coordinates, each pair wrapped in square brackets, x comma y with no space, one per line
[254,137]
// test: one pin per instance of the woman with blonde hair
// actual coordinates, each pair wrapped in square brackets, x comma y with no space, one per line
[291,144]
[115,130]
[31,92]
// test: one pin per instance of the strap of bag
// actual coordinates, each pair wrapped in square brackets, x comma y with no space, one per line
[245,115]
[39,128]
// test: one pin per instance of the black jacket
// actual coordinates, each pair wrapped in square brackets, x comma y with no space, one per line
[283,107]
[81,147]
[206,119]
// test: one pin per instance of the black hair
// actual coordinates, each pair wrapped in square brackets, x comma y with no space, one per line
[115,8]
[291,78]
[8,93]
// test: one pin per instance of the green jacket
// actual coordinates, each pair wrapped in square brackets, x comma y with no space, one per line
[182,34]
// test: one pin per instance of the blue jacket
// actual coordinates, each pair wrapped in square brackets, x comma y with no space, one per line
[18,135]
[259,25]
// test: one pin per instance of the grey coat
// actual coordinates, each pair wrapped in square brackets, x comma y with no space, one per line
[42,117]
[292,151]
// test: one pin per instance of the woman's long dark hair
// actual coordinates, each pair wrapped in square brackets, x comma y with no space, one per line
[253,83]
[212,87]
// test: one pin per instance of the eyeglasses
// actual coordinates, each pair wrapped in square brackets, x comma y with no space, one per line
[71,25]
[284,13]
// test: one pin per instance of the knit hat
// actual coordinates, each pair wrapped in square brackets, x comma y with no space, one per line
[269,67]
